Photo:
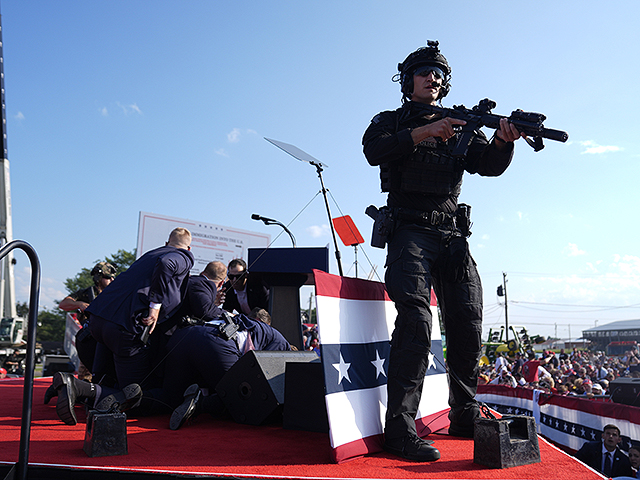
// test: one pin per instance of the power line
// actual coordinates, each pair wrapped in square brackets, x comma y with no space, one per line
[556,274]
[612,307]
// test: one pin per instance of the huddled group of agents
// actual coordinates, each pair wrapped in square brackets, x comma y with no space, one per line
[157,339]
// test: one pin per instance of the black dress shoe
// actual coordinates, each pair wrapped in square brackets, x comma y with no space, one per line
[67,394]
[411,448]
[127,398]
[187,409]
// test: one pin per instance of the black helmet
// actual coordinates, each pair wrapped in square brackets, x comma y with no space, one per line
[429,55]
[103,269]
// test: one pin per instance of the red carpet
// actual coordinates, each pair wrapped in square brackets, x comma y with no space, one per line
[224,448]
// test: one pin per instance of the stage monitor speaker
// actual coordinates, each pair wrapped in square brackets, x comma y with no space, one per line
[304,404]
[57,363]
[253,389]
[506,442]
[626,391]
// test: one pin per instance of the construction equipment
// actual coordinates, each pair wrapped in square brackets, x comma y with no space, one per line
[519,341]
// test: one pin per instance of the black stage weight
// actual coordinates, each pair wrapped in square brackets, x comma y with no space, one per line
[505,442]
[106,434]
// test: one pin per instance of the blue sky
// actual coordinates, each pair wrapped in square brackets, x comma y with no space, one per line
[161,106]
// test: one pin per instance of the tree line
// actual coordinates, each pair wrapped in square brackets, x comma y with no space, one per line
[52,322]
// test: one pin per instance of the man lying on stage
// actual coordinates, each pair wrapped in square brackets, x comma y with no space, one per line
[206,347]
[202,354]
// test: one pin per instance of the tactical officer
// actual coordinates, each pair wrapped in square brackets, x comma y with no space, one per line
[427,246]
[103,273]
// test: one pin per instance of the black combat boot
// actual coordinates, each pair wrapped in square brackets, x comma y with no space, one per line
[463,420]
[412,448]
[71,390]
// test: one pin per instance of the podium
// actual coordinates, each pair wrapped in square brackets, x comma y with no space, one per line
[285,270]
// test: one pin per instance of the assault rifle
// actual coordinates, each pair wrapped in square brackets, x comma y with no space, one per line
[528,123]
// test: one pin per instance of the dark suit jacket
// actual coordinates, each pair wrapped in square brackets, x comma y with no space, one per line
[591,454]
[199,302]
[264,336]
[159,276]
[257,295]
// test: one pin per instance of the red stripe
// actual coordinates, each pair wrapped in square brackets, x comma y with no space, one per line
[328,285]
[358,448]
[602,409]
[433,423]
[583,405]
[373,444]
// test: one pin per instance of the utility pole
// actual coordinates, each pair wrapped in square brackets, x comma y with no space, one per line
[502,292]
[7,285]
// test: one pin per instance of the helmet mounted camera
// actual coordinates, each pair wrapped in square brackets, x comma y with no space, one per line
[428,56]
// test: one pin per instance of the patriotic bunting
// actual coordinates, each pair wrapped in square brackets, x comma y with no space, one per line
[355,322]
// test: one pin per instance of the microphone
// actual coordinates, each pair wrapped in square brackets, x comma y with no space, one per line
[255,216]
[271,221]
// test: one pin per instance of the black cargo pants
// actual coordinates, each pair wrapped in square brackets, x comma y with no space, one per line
[418,258]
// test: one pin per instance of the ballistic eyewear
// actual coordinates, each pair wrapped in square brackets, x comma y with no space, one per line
[425,70]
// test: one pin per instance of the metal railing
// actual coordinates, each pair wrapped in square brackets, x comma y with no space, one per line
[19,471]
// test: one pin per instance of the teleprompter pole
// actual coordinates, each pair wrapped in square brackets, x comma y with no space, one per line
[305,157]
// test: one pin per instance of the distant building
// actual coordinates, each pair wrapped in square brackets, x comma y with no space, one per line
[620,331]
[566,343]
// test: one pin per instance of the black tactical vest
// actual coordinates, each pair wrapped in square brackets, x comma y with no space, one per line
[430,169]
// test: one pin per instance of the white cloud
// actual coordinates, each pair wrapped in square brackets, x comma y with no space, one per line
[19,116]
[104,112]
[222,152]
[627,265]
[594,148]
[318,230]
[234,136]
[135,108]
[129,109]
[572,250]
[613,282]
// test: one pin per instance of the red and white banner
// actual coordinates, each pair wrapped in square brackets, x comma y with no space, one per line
[566,420]
[355,322]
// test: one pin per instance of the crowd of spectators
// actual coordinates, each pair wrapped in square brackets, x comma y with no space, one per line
[578,372]
[310,338]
